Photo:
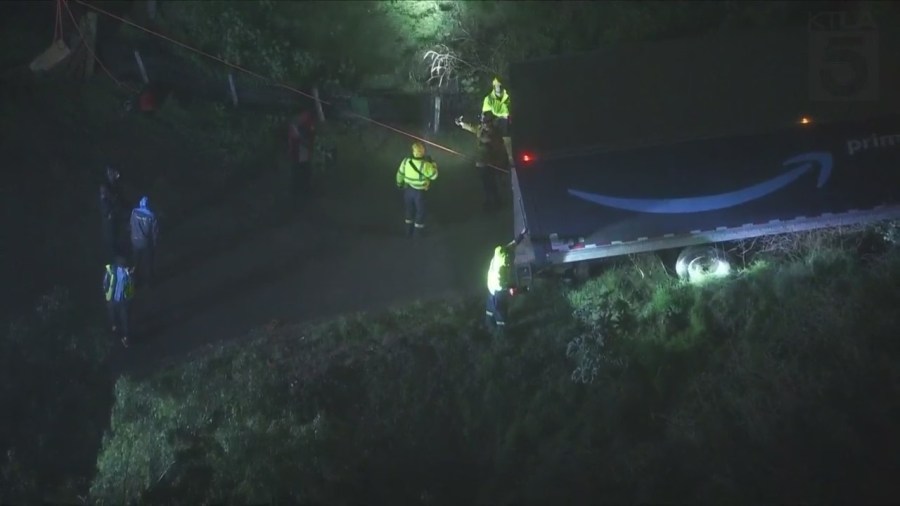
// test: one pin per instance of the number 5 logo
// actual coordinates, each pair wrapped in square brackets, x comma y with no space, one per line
[843,59]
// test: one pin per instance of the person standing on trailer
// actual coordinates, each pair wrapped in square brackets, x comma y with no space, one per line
[414,177]
[497,102]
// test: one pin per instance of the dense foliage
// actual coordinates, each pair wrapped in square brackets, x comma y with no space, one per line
[776,385]
[395,44]
[55,392]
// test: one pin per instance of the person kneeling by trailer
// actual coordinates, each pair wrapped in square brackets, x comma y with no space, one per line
[499,285]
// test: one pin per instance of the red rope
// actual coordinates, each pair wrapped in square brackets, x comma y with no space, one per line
[281,85]
[92,53]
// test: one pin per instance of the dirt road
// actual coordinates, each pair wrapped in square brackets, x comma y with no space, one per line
[346,252]
[230,261]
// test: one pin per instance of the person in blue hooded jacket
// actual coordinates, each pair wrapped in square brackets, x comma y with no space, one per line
[144,238]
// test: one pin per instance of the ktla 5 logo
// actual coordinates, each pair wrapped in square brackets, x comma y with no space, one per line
[843,50]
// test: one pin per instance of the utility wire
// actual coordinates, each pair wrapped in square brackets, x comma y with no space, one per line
[278,84]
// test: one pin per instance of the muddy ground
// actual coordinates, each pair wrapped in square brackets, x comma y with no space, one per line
[231,257]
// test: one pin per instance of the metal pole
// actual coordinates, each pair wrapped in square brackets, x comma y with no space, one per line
[140,62]
[91,43]
[319,111]
[234,98]
[437,112]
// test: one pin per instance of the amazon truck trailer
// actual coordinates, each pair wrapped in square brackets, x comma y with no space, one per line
[684,143]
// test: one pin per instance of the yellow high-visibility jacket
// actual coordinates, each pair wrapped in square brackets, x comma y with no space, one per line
[498,273]
[499,106]
[417,173]
[117,284]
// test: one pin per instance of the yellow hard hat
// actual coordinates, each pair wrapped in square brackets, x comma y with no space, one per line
[497,82]
[418,149]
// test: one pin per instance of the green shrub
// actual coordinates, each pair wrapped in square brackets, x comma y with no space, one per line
[52,389]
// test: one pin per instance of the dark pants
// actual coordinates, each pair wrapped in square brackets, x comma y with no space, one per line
[144,257]
[414,202]
[118,317]
[488,177]
[301,175]
[495,309]
[502,126]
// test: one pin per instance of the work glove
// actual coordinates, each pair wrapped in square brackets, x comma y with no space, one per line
[458,121]
[521,235]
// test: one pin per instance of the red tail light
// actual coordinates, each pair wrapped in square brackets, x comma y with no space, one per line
[527,158]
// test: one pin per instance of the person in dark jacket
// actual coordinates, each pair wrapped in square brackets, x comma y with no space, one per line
[112,206]
[301,144]
[144,239]
[488,155]
[118,291]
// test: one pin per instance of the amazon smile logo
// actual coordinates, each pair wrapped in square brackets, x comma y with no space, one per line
[806,162]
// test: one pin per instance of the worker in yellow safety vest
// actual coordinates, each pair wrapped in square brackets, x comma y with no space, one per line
[497,102]
[499,284]
[118,289]
[414,177]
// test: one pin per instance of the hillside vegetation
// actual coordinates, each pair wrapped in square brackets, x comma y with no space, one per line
[778,384]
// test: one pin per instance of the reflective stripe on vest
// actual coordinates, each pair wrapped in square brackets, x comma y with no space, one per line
[419,181]
[498,104]
[112,283]
[115,290]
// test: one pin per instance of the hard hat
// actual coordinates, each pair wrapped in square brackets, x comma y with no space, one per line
[497,82]
[418,150]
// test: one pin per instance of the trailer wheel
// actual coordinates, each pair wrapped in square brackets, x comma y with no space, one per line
[582,272]
[698,263]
